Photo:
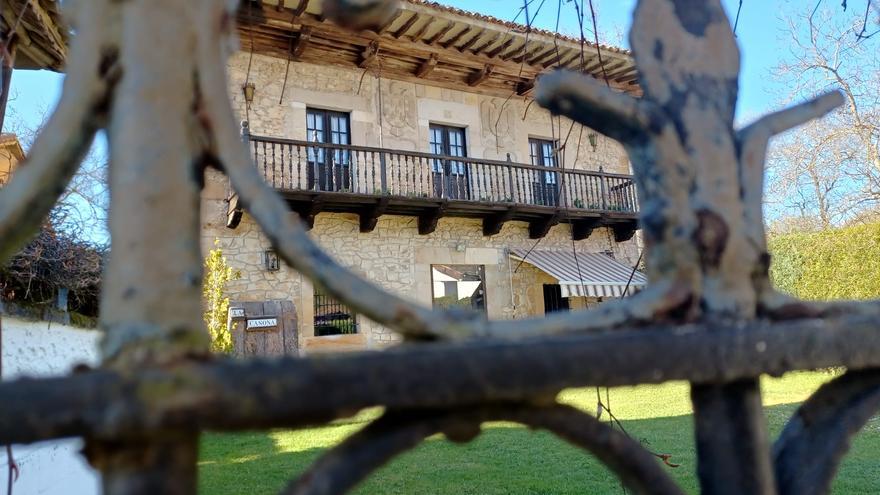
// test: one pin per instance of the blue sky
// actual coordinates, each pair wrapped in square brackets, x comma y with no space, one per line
[760,34]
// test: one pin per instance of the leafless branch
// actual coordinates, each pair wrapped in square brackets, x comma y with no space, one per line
[59,149]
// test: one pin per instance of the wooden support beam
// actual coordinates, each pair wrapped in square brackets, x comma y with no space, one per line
[550,51]
[564,59]
[492,224]
[610,65]
[622,72]
[302,41]
[454,39]
[624,231]
[406,25]
[369,216]
[479,49]
[538,228]
[233,211]
[480,76]
[422,30]
[581,229]
[428,221]
[369,54]
[525,88]
[469,43]
[440,34]
[427,66]
[613,70]
[300,9]
[523,53]
[500,48]
[308,211]
[385,27]
[630,77]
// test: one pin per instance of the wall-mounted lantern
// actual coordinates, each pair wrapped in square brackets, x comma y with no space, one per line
[271,259]
[594,140]
[248,90]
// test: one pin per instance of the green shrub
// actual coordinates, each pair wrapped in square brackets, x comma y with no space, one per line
[841,263]
[218,274]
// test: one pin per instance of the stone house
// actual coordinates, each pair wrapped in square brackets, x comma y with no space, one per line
[11,155]
[416,158]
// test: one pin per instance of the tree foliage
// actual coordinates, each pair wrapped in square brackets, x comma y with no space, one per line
[218,274]
[840,263]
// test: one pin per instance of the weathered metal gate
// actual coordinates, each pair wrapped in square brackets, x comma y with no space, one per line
[151,72]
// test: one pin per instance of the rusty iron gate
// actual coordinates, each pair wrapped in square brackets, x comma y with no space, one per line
[152,73]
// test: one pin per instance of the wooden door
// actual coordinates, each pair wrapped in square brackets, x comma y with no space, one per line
[263,328]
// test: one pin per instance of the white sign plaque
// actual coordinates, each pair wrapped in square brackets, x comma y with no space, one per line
[262,323]
[236,312]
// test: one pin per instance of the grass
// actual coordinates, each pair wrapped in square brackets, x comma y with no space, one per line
[508,458]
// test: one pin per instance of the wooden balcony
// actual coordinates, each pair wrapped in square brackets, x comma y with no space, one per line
[317,177]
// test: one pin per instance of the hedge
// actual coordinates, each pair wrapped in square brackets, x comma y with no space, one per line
[841,263]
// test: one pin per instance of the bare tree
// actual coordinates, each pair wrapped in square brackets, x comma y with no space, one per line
[814,177]
[81,210]
[830,50]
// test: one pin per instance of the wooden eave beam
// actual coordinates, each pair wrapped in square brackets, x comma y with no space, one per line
[427,222]
[563,60]
[537,59]
[52,34]
[480,76]
[609,64]
[525,88]
[500,48]
[523,53]
[469,43]
[540,227]
[422,30]
[369,55]
[440,34]
[624,231]
[581,229]
[385,27]
[493,224]
[634,75]
[369,216]
[406,25]
[454,39]
[331,44]
[492,41]
[623,71]
[427,66]
[302,41]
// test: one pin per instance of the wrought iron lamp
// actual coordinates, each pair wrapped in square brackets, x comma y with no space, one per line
[248,90]
[594,139]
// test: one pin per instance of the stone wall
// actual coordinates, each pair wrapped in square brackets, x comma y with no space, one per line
[397,258]
[394,255]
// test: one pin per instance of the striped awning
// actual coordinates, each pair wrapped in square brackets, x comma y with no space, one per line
[590,275]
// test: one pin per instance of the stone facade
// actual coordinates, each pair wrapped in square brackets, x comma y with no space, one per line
[394,255]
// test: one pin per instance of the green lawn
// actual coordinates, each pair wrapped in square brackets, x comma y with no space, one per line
[508,458]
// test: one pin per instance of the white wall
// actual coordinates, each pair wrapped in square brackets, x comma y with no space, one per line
[40,349]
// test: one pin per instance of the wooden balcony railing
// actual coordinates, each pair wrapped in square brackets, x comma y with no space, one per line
[303,166]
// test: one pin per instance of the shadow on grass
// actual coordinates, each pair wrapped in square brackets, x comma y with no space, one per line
[506,458]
